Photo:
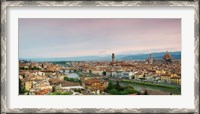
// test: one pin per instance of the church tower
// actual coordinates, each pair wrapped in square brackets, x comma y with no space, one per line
[150,59]
[113,57]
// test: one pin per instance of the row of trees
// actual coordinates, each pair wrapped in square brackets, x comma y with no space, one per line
[21,88]
[117,89]
[61,93]
[30,68]
[71,79]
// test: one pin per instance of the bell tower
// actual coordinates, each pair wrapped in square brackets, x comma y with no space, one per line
[113,57]
[150,59]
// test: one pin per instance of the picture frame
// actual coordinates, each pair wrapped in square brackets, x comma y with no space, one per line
[4,97]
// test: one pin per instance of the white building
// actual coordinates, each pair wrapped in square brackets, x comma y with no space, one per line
[126,74]
[108,73]
[114,74]
[68,88]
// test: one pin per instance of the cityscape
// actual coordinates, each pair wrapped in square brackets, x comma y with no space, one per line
[100,78]
[81,62]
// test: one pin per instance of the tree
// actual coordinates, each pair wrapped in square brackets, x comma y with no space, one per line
[129,86]
[104,73]
[66,78]
[71,79]
[138,93]
[114,92]
[36,68]
[145,92]
[118,87]
[133,77]
[21,88]
[80,82]
[61,93]
[130,90]
[110,86]
[54,89]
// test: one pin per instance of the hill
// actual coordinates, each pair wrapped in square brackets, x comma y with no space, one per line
[158,56]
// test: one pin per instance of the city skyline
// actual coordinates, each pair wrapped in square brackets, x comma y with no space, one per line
[100,37]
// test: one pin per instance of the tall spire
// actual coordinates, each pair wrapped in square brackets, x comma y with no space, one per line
[150,59]
[113,57]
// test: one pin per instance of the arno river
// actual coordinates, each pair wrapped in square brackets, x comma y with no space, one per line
[139,87]
[71,75]
[154,89]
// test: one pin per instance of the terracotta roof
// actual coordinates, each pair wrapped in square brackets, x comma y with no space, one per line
[68,83]
[91,81]
[54,81]
[42,92]
[138,73]
[151,70]
[166,75]
[175,77]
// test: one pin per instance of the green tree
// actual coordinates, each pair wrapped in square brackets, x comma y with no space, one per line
[130,90]
[61,93]
[36,68]
[138,93]
[80,82]
[118,87]
[66,78]
[21,88]
[145,92]
[114,92]
[129,86]
[133,77]
[104,73]
[110,86]
[71,79]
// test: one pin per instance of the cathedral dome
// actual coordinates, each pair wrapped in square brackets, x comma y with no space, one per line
[167,56]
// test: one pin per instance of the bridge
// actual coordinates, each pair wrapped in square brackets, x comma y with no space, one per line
[70,69]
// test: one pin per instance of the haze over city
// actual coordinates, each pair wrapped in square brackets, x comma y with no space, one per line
[42,37]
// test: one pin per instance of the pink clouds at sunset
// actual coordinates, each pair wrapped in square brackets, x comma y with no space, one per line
[67,37]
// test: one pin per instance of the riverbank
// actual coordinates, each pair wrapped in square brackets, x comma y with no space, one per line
[155,86]
[152,88]
[83,74]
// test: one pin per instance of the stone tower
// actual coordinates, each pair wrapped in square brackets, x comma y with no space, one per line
[150,59]
[113,57]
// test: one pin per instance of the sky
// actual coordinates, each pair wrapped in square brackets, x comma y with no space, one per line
[68,37]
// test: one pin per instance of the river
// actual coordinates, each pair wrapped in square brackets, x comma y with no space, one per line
[138,87]
[160,90]
[71,74]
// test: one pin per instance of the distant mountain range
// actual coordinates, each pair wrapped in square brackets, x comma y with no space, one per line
[158,56]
